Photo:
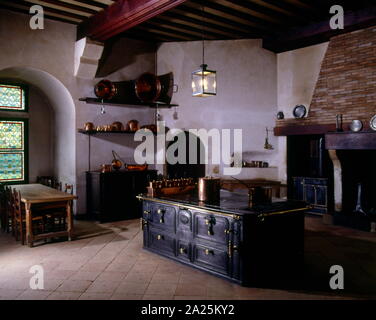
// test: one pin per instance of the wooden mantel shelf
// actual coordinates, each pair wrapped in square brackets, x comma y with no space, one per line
[294,129]
[363,140]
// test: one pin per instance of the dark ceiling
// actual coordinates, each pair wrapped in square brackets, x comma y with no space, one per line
[270,20]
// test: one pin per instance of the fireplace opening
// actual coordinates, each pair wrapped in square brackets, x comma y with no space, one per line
[358,188]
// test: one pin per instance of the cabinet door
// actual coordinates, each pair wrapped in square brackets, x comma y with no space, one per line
[161,241]
[211,227]
[321,195]
[211,258]
[184,251]
[310,193]
[162,216]
[298,193]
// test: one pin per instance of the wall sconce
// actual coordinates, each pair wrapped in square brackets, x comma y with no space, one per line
[267,145]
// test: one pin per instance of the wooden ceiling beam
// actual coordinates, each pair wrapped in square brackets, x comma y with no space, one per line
[121,16]
[264,13]
[93,3]
[133,34]
[304,13]
[196,14]
[25,10]
[48,10]
[214,25]
[320,32]
[233,14]
[185,28]
[62,5]
[161,31]
[197,25]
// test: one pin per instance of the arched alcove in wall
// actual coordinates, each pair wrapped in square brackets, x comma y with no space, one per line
[61,101]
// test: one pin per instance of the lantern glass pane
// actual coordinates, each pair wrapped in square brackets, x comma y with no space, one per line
[204,83]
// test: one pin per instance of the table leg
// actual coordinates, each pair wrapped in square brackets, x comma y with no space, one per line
[69,220]
[29,229]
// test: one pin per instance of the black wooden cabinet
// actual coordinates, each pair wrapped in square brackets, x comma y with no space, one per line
[112,195]
[248,249]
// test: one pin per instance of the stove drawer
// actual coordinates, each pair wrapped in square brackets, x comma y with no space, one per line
[184,251]
[211,227]
[211,258]
[162,242]
[162,216]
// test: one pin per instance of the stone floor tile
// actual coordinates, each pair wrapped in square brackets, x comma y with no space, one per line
[95,296]
[63,295]
[164,289]
[103,286]
[74,285]
[125,296]
[85,275]
[34,295]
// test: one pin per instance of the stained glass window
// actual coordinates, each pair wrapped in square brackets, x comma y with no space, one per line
[12,150]
[12,166]
[12,97]
[11,135]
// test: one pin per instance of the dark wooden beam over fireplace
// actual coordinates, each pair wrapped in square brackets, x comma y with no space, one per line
[319,32]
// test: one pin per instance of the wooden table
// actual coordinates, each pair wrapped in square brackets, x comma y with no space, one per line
[32,194]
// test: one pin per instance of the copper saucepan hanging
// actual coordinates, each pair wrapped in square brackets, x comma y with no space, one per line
[148,87]
[105,89]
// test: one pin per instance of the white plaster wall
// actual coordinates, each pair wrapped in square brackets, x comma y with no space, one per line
[45,59]
[41,141]
[298,71]
[246,92]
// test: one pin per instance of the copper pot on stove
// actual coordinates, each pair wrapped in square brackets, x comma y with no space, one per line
[209,189]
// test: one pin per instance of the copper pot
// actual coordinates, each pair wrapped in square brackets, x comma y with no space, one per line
[105,89]
[148,87]
[209,189]
[132,125]
[89,126]
[117,126]
[106,168]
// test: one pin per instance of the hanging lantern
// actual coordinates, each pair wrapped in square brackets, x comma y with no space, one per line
[204,82]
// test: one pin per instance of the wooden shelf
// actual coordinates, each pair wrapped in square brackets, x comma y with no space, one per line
[135,104]
[92,132]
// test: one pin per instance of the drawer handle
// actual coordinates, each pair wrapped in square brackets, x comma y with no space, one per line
[160,211]
[183,250]
[207,252]
[159,237]
[146,212]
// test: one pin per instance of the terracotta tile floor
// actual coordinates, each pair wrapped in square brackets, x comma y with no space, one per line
[107,261]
